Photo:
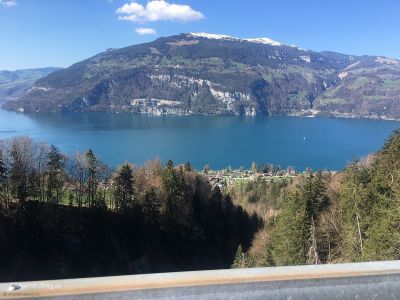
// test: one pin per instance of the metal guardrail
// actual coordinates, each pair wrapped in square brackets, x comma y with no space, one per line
[380,280]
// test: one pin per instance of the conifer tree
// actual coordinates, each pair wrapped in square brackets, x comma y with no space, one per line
[171,186]
[290,236]
[241,259]
[91,162]
[55,171]
[124,187]
[354,222]
[295,240]
[151,207]
[188,167]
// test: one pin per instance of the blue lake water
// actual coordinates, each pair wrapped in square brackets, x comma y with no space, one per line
[320,143]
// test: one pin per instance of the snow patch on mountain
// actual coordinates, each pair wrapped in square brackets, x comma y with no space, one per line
[264,40]
[305,58]
[212,36]
[261,40]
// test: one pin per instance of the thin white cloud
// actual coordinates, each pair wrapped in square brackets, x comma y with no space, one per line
[145,31]
[8,3]
[158,10]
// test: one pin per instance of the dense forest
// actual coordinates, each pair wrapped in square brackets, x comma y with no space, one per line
[72,216]
[327,217]
[64,217]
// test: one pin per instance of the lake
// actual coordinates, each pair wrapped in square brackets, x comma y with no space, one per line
[319,143]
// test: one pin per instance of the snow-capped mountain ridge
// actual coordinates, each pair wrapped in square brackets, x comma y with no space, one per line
[264,40]
[213,36]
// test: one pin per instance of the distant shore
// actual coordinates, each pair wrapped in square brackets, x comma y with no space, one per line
[310,113]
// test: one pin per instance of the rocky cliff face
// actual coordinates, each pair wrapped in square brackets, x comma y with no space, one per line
[200,73]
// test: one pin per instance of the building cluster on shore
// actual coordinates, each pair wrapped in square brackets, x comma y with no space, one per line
[226,177]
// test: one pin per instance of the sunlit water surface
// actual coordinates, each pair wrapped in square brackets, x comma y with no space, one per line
[320,143]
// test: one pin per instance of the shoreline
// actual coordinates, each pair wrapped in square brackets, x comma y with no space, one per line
[301,114]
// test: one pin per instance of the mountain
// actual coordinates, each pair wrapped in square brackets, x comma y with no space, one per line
[15,83]
[200,73]
[369,87]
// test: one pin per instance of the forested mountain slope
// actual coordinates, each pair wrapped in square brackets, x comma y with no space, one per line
[15,83]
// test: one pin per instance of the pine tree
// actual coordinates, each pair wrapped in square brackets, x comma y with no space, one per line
[354,222]
[124,187]
[151,207]
[290,236]
[240,260]
[55,170]
[91,162]
[170,184]
[188,167]
[173,194]
[295,239]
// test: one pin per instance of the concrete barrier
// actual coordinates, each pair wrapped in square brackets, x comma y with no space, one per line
[378,280]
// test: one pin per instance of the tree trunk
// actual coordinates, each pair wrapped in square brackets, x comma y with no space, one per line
[359,235]
[313,251]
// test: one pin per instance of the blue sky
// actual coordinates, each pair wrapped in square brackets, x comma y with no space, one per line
[38,33]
